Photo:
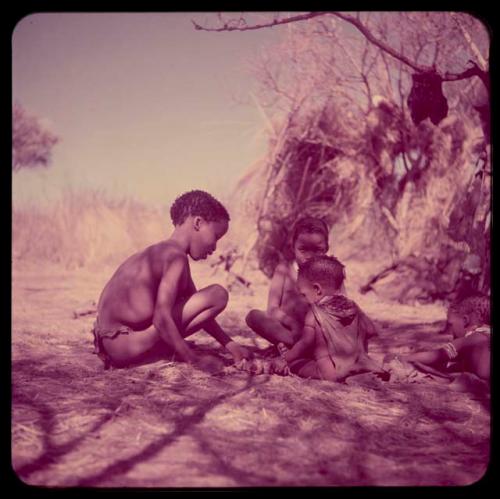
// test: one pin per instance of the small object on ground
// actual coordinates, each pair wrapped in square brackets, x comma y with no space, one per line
[406,372]
[88,309]
[255,366]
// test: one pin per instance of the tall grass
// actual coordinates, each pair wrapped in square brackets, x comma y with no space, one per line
[85,227]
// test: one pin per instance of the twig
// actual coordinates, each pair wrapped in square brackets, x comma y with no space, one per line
[355,21]
[274,22]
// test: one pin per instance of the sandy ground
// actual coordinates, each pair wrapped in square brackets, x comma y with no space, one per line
[166,424]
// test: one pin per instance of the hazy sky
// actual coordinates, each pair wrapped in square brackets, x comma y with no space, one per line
[144,104]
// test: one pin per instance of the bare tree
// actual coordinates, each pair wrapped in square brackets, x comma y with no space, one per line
[32,143]
[240,24]
[355,147]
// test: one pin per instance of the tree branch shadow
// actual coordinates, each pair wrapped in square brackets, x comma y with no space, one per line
[182,425]
[51,452]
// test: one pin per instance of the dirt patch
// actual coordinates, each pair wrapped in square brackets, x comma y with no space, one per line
[165,424]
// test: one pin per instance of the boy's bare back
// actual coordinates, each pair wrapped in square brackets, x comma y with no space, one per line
[130,296]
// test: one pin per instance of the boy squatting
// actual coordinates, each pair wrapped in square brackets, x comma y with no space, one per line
[151,302]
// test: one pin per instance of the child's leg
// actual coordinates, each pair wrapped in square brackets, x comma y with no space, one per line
[189,316]
[126,348]
[477,360]
[305,368]
[367,364]
[269,328]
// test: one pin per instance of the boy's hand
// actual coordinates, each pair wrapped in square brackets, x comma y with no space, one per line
[238,351]
[208,363]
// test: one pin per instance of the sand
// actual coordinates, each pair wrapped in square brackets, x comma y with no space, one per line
[167,424]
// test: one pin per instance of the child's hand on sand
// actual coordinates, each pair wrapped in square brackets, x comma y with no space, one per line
[238,351]
[280,366]
[254,366]
[208,363]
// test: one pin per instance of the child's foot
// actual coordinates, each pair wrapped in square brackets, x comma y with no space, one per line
[268,352]
[282,348]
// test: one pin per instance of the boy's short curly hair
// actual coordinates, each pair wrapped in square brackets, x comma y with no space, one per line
[324,270]
[476,307]
[197,203]
[310,225]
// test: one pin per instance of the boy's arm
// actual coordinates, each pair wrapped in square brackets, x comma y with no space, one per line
[165,301]
[213,328]
[306,341]
[238,351]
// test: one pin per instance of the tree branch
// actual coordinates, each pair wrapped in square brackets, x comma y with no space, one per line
[355,21]
[274,22]
[381,45]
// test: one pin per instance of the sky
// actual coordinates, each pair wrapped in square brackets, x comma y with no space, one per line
[145,106]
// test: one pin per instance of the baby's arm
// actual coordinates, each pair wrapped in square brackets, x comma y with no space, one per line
[306,340]
[163,321]
[440,355]
[429,357]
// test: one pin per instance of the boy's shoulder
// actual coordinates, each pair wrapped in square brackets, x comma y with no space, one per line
[166,252]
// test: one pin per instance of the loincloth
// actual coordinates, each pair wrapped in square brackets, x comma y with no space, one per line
[100,333]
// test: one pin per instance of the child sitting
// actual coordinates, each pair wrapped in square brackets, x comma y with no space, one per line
[469,351]
[154,288]
[283,320]
[333,342]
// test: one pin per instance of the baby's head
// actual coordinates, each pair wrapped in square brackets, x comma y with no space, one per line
[320,276]
[309,238]
[467,313]
[204,219]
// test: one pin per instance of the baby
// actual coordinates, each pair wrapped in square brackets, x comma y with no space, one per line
[469,351]
[333,341]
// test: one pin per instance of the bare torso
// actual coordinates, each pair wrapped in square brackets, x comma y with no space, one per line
[292,302]
[129,298]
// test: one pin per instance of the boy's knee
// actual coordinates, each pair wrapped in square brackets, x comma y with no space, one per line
[219,295]
[252,318]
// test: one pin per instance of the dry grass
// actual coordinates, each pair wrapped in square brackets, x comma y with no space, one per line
[165,424]
[85,227]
